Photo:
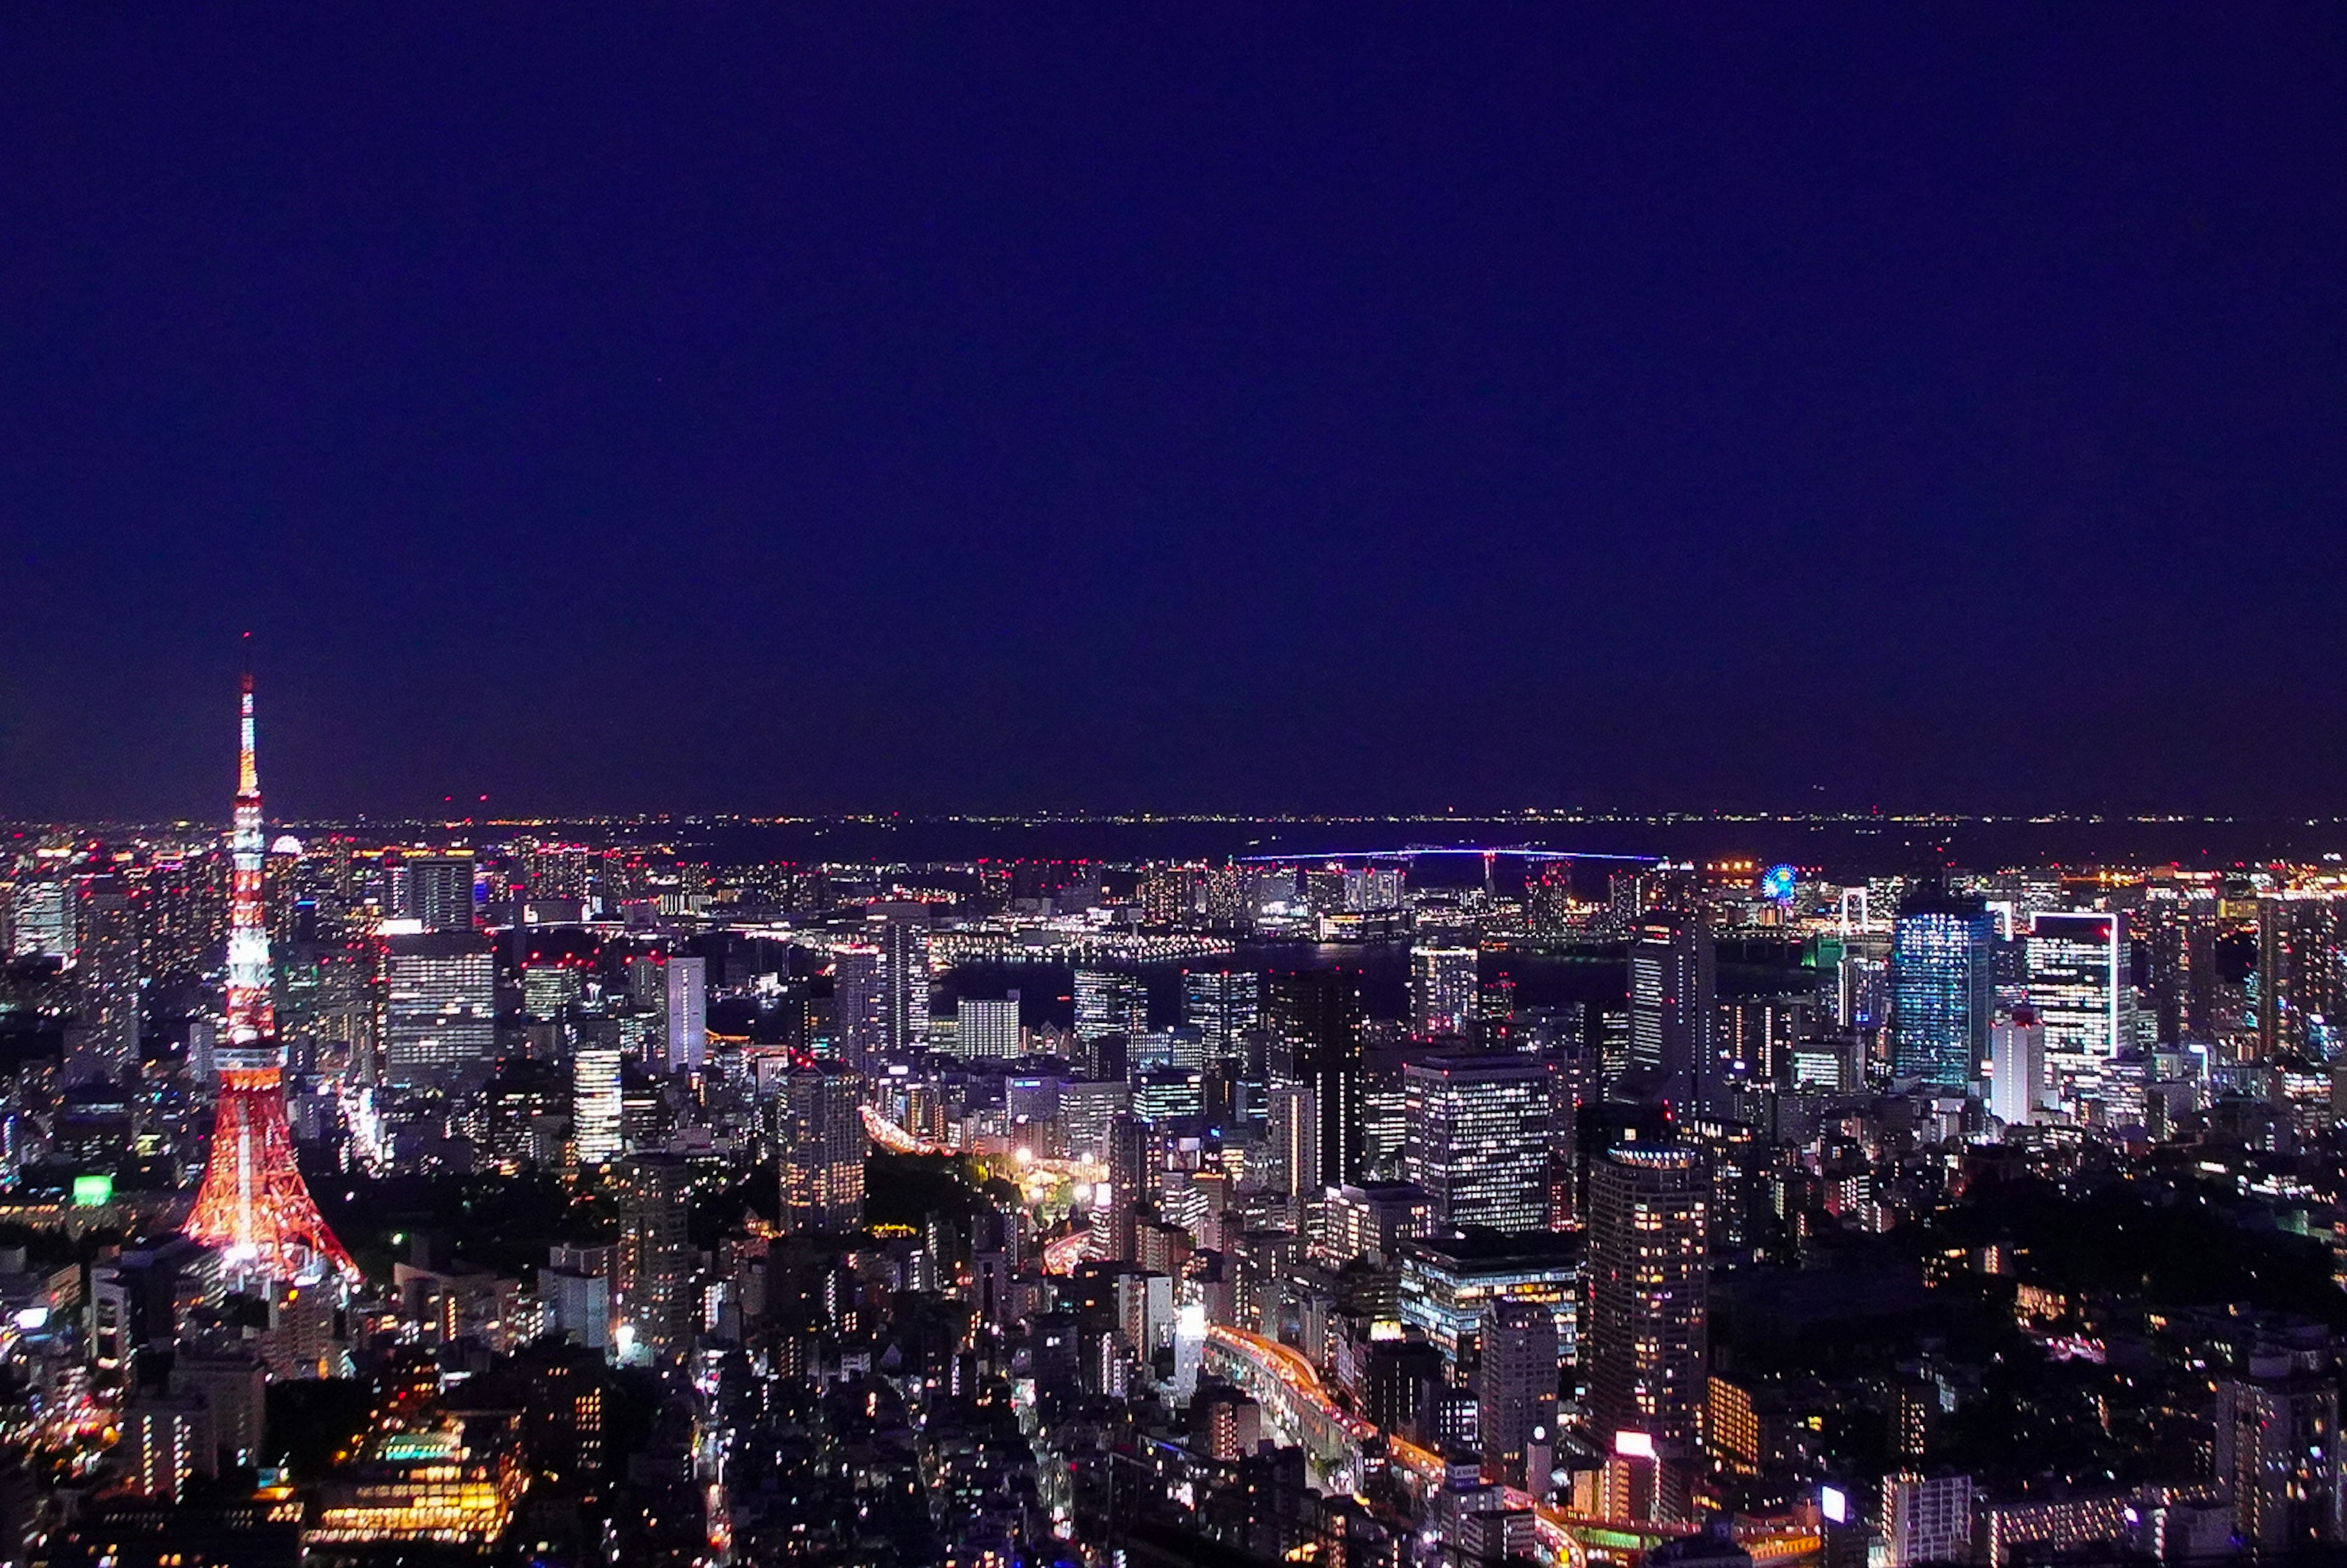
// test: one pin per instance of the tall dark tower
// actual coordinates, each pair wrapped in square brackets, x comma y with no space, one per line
[1644,1343]
[253,1206]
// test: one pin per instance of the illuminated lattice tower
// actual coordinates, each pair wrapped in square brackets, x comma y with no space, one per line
[253,1206]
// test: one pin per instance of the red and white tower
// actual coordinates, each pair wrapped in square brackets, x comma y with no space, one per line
[253,1206]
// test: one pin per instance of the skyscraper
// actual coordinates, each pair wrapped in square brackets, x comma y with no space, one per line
[439,1010]
[687,1001]
[1478,1139]
[547,988]
[987,1027]
[435,889]
[2299,976]
[2278,1453]
[595,1101]
[822,1150]
[1110,1001]
[1674,988]
[106,982]
[2019,1089]
[1442,992]
[1294,1127]
[859,1000]
[656,1293]
[1646,1342]
[1943,986]
[1515,1391]
[903,938]
[41,918]
[1224,1006]
[2077,975]
[1315,1020]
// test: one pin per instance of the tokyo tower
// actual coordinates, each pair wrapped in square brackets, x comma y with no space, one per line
[253,1207]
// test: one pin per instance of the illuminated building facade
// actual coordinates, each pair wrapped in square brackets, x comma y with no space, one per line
[444,1485]
[1477,1140]
[1448,1282]
[1943,987]
[596,1108]
[1673,988]
[41,918]
[686,998]
[1315,1023]
[859,1004]
[984,1027]
[822,1151]
[434,890]
[105,1045]
[2019,1089]
[903,938]
[1926,1520]
[1646,1341]
[2301,974]
[2077,986]
[439,1010]
[1110,1001]
[1442,992]
[1371,1221]
[2278,1452]
[656,1293]
[1515,1392]
[1225,1006]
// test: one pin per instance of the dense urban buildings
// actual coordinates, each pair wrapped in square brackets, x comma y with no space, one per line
[616,1200]
[1142,786]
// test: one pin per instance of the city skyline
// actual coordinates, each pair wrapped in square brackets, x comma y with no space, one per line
[1509,787]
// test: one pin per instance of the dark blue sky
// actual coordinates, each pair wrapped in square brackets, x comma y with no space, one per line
[763,407]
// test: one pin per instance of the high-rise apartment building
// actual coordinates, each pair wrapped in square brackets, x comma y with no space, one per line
[1477,1139]
[548,988]
[1926,1520]
[439,1010]
[859,1003]
[41,918]
[822,1150]
[1943,986]
[1646,1342]
[1442,993]
[657,1298]
[900,931]
[2302,976]
[1294,1127]
[2277,1454]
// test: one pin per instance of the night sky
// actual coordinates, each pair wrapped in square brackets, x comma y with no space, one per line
[764,407]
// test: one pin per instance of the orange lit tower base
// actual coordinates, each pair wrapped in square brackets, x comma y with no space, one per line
[253,1207]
